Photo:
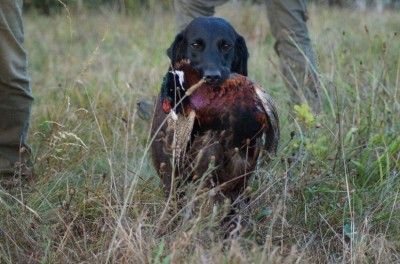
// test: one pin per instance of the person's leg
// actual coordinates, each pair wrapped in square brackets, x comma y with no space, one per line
[15,92]
[293,45]
[187,10]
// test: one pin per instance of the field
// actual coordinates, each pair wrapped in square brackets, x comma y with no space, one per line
[331,195]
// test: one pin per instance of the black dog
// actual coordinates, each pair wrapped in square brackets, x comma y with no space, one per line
[213,48]
[212,135]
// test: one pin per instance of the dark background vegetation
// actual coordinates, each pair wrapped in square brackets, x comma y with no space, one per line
[134,6]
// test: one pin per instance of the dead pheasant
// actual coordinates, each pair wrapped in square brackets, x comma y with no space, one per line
[212,131]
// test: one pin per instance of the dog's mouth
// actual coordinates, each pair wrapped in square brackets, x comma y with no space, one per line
[215,77]
[212,81]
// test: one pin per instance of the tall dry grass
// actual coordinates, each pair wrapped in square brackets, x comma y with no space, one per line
[330,196]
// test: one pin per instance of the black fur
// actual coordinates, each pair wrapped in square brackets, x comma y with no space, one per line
[213,47]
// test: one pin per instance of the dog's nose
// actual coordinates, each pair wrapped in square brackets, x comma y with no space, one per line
[212,76]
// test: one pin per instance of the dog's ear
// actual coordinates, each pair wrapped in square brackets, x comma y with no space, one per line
[177,51]
[239,64]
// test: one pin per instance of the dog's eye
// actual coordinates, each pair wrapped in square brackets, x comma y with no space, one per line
[195,45]
[225,46]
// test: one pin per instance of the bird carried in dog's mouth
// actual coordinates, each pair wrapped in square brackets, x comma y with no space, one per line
[213,132]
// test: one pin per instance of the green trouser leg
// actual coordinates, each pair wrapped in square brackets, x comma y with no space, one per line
[287,20]
[187,10]
[15,92]
[293,45]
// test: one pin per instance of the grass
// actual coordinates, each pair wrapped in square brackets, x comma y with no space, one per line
[330,196]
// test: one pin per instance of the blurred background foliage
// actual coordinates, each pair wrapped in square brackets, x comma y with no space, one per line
[49,7]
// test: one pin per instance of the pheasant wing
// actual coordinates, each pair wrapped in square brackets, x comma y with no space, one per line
[272,131]
[181,126]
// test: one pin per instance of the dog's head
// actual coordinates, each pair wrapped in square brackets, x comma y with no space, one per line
[213,48]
